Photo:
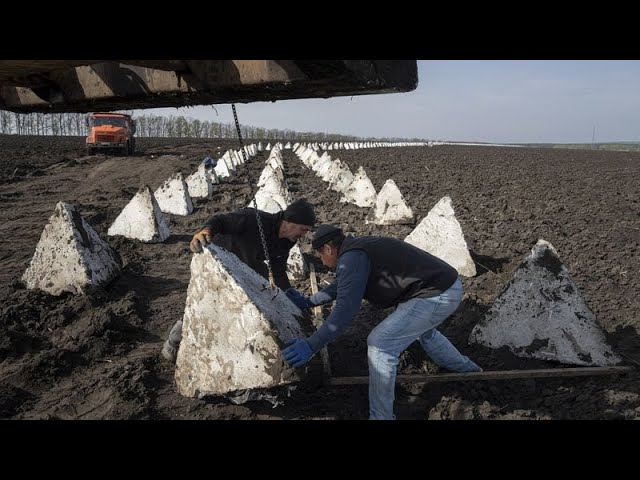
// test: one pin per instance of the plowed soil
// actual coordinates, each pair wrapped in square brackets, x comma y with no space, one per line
[97,356]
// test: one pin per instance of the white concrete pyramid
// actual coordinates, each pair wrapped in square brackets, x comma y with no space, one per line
[273,195]
[305,155]
[221,168]
[390,207]
[275,159]
[233,161]
[361,192]
[226,157]
[271,202]
[324,156]
[141,219]
[312,161]
[296,266]
[234,158]
[319,164]
[70,256]
[239,156]
[268,147]
[272,178]
[233,330]
[323,165]
[199,183]
[339,176]
[173,196]
[276,163]
[440,234]
[542,315]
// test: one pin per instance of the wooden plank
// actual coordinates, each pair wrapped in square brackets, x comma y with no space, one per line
[317,311]
[317,322]
[495,375]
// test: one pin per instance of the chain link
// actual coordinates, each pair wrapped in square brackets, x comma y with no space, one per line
[255,203]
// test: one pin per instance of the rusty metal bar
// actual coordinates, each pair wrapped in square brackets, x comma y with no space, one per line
[495,375]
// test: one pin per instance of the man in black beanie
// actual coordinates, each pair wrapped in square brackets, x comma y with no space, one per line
[238,233]
[387,272]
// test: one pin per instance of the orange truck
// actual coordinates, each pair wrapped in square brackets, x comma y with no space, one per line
[111,133]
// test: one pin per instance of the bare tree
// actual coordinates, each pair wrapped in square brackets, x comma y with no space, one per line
[6,122]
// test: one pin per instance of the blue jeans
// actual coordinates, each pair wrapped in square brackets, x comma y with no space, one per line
[414,319]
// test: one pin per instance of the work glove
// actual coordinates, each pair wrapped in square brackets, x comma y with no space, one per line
[200,240]
[297,352]
[302,302]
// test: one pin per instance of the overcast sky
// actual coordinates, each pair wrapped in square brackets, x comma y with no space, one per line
[499,101]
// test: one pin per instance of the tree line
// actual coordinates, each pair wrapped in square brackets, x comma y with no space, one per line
[75,124]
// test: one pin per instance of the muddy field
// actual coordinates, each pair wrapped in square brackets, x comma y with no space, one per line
[97,356]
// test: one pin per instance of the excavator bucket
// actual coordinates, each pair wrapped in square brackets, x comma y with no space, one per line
[52,86]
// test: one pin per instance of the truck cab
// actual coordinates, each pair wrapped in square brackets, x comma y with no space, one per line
[110,133]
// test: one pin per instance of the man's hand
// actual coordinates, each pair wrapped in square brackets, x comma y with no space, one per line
[200,240]
[297,352]
[302,302]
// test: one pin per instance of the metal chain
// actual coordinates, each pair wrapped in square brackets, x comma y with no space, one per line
[272,283]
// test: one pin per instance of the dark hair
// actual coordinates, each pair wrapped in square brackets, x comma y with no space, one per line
[300,212]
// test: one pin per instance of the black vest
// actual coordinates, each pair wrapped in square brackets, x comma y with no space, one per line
[400,271]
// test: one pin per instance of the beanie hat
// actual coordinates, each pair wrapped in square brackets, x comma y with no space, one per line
[324,234]
[300,212]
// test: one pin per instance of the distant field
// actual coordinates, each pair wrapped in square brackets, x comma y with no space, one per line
[618,147]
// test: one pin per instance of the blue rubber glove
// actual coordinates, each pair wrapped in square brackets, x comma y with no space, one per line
[297,352]
[302,302]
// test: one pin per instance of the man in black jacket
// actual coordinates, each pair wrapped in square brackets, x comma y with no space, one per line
[238,233]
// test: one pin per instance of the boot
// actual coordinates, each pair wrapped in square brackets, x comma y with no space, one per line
[170,347]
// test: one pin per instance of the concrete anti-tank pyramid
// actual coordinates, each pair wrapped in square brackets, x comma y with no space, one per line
[70,256]
[542,315]
[296,266]
[200,183]
[233,329]
[141,219]
[361,192]
[173,196]
[440,234]
[390,207]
